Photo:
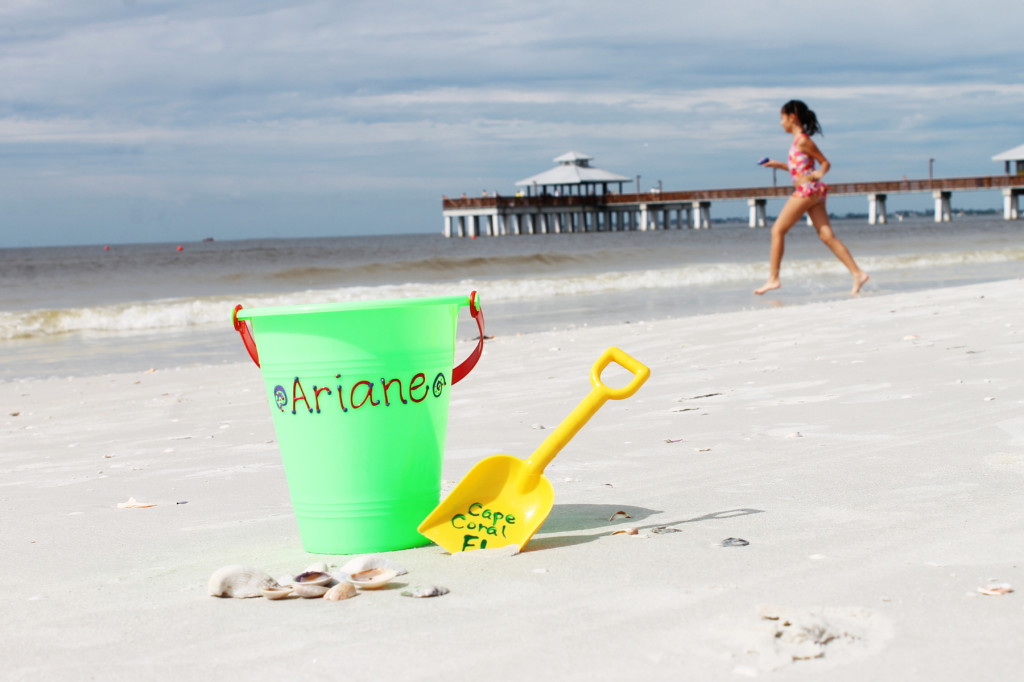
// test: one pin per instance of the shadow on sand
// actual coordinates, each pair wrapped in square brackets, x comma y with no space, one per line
[573,517]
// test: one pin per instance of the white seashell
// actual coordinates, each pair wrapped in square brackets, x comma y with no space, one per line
[286,580]
[279,592]
[341,591]
[372,579]
[309,591]
[422,591]
[312,578]
[365,563]
[996,589]
[318,567]
[132,503]
[240,582]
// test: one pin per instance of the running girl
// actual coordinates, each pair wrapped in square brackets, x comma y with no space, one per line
[808,197]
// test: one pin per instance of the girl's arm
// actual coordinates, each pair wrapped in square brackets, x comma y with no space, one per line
[775,164]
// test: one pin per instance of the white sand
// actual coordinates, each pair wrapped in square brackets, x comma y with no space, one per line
[870,450]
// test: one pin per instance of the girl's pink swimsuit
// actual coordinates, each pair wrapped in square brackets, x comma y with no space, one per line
[801,164]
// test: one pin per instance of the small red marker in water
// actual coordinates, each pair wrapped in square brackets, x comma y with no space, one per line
[181,248]
[106,248]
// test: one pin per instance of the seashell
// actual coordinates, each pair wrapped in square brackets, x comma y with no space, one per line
[286,580]
[372,579]
[132,503]
[365,563]
[422,591]
[275,593]
[319,567]
[309,591]
[341,591]
[619,515]
[627,531]
[312,578]
[996,589]
[660,530]
[240,582]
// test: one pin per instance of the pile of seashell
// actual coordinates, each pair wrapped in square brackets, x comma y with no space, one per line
[362,573]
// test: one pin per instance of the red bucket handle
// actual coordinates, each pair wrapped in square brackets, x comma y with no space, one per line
[458,374]
[243,329]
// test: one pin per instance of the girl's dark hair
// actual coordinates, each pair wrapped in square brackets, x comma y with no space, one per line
[808,121]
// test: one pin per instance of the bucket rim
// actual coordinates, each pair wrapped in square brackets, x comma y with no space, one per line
[341,306]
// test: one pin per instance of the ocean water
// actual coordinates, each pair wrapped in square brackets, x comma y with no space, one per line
[87,310]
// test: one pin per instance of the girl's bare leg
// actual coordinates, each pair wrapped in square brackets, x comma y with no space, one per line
[793,210]
[819,217]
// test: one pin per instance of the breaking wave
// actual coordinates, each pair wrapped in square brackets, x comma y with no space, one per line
[207,311]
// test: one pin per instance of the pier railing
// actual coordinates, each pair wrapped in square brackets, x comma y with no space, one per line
[546,213]
[835,189]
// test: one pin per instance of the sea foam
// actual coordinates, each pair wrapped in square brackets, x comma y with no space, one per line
[209,311]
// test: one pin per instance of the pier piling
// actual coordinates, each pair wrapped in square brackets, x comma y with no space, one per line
[1011,203]
[758,212]
[943,214]
[876,209]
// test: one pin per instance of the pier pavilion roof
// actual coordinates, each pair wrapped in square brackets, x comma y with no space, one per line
[1015,154]
[573,169]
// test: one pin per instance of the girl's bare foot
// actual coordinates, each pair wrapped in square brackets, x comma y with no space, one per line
[775,284]
[858,282]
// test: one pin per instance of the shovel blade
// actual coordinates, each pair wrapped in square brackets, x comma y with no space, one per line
[498,503]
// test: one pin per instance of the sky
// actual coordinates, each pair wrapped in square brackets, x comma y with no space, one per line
[173,120]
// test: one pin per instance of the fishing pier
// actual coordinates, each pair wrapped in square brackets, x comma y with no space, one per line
[576,198]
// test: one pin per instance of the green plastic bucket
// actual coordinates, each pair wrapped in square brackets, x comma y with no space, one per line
[359,395]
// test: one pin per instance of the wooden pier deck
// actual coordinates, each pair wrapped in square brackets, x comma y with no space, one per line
[500,215]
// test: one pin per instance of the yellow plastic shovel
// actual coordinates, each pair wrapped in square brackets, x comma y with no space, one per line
[503,500]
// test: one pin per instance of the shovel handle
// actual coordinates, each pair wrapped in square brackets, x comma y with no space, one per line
[640,373]
[581,414]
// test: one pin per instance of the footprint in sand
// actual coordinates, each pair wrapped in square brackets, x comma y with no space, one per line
[826,635]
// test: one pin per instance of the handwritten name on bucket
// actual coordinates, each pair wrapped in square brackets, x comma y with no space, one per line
[362,393]
[484,523]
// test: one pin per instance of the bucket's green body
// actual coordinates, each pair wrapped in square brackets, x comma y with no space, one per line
[359,394]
